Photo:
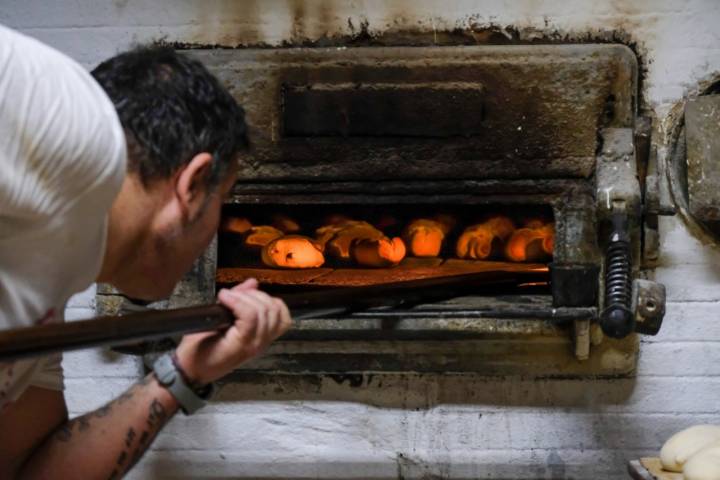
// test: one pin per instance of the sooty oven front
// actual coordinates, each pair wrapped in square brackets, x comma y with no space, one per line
[525,161]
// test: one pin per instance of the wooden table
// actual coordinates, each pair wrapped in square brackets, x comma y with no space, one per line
[650,468]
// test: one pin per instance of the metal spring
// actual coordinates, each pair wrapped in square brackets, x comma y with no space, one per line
[618,282]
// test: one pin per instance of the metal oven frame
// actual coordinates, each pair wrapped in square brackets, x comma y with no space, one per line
[555,125]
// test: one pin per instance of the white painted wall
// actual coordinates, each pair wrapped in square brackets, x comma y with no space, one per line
[427,426]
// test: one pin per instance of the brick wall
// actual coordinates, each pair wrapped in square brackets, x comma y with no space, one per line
[409,426]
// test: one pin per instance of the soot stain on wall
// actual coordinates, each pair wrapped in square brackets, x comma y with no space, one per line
[322,28]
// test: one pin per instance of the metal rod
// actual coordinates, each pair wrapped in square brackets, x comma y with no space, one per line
[153,324]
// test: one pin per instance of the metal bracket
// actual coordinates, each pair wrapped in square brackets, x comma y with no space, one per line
[628,305]
[648,304]
[617,185]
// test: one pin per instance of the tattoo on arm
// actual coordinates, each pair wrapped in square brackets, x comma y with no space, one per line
[83,423]
[125,396]
[157,414]
[155,420]
[134,445]
[140,450]
[129,437]
[104,410]
[64,434]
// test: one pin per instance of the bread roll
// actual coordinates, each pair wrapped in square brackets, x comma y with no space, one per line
[680,447]
[424,237]
[531,243]
[257,237]
[293,251]
[705,464]
[480,241]
[338,245]
[327,232]
[380,252]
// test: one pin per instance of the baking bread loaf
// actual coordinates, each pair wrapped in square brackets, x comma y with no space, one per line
[482,240]
[293,251]
[338,245]
[425,237]
[257,237]
[533,242]
[378,252]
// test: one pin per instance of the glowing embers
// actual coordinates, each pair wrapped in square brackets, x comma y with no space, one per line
[310,238]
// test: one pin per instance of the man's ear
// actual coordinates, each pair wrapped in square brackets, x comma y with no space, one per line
[191,185]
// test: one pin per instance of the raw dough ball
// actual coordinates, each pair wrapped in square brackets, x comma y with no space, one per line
[704,465]
[684,444]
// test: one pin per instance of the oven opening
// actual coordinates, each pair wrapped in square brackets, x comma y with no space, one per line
[291,248]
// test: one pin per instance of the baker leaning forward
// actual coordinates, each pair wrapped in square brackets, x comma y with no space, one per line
[114,177]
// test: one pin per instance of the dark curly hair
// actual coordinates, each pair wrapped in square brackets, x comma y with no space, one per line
[172,108]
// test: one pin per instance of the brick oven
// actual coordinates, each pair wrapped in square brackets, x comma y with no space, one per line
[392,135]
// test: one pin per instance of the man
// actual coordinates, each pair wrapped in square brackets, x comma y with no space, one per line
[119,179]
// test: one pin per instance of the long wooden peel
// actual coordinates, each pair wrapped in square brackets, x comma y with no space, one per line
[118,330]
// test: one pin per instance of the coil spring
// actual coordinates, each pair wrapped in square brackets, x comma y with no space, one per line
[618,282]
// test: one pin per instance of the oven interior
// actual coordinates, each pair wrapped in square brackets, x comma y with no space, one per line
[519,249]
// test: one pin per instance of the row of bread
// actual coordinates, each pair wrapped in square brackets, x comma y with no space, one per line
[348,240]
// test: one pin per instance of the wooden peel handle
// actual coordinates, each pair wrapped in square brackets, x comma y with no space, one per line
[153,324]
[110,330]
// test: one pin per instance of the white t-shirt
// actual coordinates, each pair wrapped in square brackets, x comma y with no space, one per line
[62,162]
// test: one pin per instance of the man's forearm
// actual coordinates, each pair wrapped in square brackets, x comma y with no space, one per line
[105,443]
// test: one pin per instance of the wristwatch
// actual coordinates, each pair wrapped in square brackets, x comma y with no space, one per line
[172,378]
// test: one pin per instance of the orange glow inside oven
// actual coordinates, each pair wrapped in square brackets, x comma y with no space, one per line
[369,245]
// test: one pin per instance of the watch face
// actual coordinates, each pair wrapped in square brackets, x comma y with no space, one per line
[168,377]
[164,370]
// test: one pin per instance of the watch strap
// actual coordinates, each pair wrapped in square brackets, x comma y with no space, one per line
[170,377]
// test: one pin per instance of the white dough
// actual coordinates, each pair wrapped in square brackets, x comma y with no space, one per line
[704,465]
[680,447]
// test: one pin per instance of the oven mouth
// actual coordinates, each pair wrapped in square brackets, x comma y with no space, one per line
[512,244]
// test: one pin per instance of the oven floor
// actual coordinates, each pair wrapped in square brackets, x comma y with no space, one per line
[410,269]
